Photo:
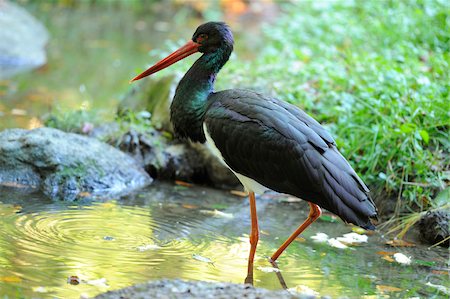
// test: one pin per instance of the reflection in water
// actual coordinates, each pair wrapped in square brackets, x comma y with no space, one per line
[155,233]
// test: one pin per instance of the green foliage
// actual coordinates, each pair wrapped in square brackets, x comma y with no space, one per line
[77,121]
[376,74]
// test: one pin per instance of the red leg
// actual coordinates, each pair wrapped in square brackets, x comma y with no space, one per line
[314,213]
[254,237]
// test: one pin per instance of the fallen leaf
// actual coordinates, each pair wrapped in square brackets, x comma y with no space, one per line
[147,247]
[292,199]
[352,238]
[402,259]
[399,243]
[16,185]
[385,288]
[101,282]
[440,272]
[269,269]
[188,206]
[10,279]
[388,258]
[202,259]
[336,243]
[18,112]
[239,193]
[182,183]
[217,213]
[39,290]
[320,237]
[359,230]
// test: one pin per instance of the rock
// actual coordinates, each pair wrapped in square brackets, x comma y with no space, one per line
[153,95]
[167,159]
[434,227]
[22,40]
[179,289]
[66,165]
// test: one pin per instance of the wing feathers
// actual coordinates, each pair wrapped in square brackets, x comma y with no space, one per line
[284,149]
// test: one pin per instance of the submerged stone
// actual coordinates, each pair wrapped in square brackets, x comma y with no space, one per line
[65,165]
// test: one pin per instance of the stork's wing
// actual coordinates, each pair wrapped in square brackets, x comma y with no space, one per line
[284,149]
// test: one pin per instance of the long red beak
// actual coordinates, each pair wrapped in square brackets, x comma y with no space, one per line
[188,49]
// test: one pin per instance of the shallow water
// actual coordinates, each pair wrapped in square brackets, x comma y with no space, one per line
[168,231]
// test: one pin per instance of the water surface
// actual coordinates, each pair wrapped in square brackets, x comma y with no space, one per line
[168,231]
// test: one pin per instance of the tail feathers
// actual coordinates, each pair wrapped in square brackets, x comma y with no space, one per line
[349,196]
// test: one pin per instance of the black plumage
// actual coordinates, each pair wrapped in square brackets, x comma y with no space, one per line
[263,139]
[284,149]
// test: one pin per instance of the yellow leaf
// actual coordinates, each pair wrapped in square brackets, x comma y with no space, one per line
[188,206]
[400,243]
[385,288]
[10,279]
[182,183]
[388,258]
[239,193]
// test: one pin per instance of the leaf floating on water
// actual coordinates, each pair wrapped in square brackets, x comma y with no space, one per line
[268,269]
[188,206]
[10,279]
[388,258]
[300,239]
[148,247]
[385,288]
[239,193]
[202,259]
[402,259]
[336,243]
[443,289]
[399,243]
[39,290]
[320,237]
[358,230]
[304,290]
[217,213]
[291,199]
[98,282]
[440,272]
[184,184]
[352,238]
[73,280]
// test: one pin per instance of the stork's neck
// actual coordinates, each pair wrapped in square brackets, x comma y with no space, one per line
[191,97]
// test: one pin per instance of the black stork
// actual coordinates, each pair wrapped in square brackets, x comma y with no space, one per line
[267,143]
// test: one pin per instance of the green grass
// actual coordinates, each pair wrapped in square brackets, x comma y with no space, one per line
[376,74]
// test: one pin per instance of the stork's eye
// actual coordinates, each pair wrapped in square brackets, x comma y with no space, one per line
[202,37]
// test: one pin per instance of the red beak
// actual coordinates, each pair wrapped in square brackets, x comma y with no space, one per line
[189,48]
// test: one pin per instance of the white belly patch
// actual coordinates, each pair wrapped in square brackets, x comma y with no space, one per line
[249,184]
